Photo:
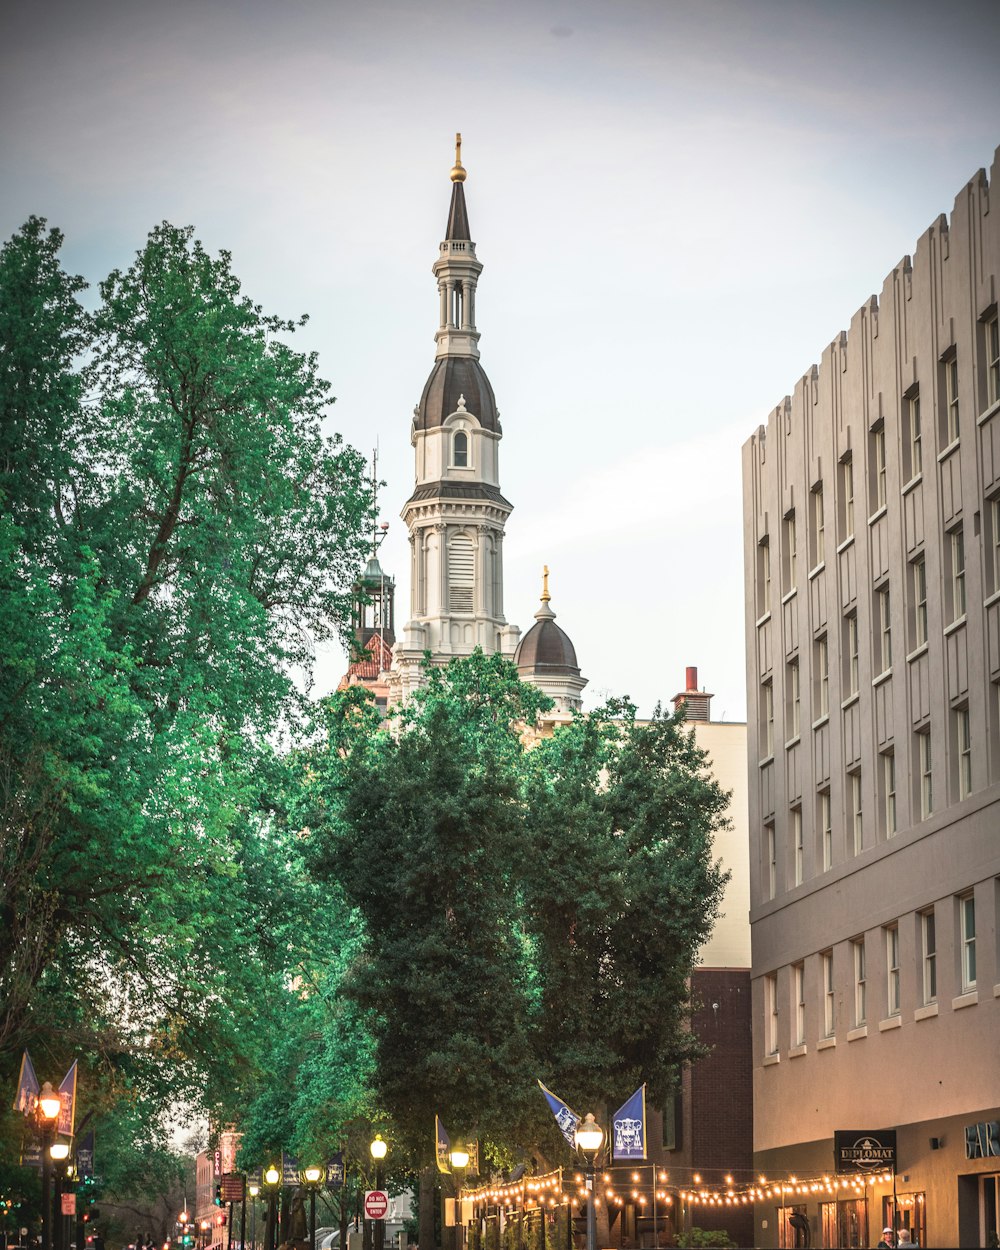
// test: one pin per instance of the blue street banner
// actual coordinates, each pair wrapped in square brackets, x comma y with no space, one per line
[85,1155]
[566,1118]
[628,1129]
[442,1146]
[289,1171]
[67,1103]
[335,1171]
[28,1088]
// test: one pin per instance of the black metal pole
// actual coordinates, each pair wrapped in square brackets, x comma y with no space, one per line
[243,1220]
[591,1217]
[379,1224]
[312,1216]
[46,1190]
[57,1216]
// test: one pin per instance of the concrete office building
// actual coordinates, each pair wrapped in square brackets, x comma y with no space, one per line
[872,520]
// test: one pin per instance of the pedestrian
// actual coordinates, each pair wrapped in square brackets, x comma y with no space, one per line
[904,1239]
[888,1241]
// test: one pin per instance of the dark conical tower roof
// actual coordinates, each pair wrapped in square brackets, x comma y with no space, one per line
[546,650]
[458,218]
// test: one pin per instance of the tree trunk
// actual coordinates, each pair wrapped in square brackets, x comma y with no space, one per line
[428,1192]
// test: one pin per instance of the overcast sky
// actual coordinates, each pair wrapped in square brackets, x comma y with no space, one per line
[678,205]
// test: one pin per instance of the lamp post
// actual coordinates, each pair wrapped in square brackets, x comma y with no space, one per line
[459,1162]
[254,1190]
[589,1139]
[272,1183]
[378,1149]
[59,1153]
[49,1106]
[312,1176]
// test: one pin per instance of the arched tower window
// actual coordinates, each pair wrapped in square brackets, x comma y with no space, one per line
[457,295]
[460,450]
[461,573]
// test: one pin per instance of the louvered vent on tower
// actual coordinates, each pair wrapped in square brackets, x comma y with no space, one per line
[461,573]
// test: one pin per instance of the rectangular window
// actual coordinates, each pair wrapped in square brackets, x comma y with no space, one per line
[918,591]
[846,498]
[800,1004]
[993,544]
[928,944]
[771,867]
[892,969]
[771,1014]
[926,777]
[876,443]
[829,1002]
[860,982]
[826,829]
[912,433]
[857,840]
[821,669]
[963,740]
[791,553]
[763,577]
[956,550]
[767,719]
[991,341]
[852,670]
[884,637]
[818,528]
[951,427]
[889,793]
[793,712]
[967,924]
[797,843]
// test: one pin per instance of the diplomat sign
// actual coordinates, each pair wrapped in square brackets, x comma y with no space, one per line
[861,1151]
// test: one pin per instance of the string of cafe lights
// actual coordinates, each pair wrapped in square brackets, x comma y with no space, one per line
[547,1190]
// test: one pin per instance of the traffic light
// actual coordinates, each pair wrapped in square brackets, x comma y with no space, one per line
[218,1195]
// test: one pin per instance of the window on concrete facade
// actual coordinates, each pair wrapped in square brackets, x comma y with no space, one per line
[818,530]
[955,555]
[888,793]
[876,460]
[829,999]
[925,774]
[793,712]
[963,750]
[852,670]
[791,553]
[846,510]
[992,544]
[460,450]
[798,845]
[892,969]
[918,600]
[826,829]
[799,985]
[883,639]
[771,861]
[763,577]
[860,982]
[912,445]
[967,936]
[855,815]
[950,426]
[767,720]
[821,672]
[991,356]
[771,1014]
[928,957]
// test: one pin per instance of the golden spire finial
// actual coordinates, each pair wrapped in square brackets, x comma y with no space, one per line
[457,170]
[545,584]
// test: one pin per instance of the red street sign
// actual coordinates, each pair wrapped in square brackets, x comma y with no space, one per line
[68,1204]
[376,1204]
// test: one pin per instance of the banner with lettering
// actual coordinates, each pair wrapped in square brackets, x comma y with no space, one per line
[28,1088]
[67,1103]
[864,1150]
[628,1129]
[442,1146]
[566,1118]
[335,1171]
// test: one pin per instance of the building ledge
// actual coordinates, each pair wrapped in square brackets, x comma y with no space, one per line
[878,514]
[798,1051]
[770,1060]
[848,542]
[956,624]
[927,1012]
[826,1043]
[792,742]
[818,724]
[763,620]
[787,598]
[894,1022]
[912,483]
[815,572]
[968,999]
[947,451]
[885,674]
[996,991]
[990,411]
[851,698]
[993,598]
[917,652]
[855,1035]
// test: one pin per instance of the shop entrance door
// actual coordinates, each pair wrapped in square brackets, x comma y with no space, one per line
[989,1210]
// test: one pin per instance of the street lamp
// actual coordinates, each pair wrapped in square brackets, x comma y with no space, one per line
[49,1106]
[459,1162]
[589,1139]
[379,1149]
[312,1176]
[59,1152]
[272,1183]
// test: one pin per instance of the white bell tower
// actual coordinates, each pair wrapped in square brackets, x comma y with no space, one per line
[456,514]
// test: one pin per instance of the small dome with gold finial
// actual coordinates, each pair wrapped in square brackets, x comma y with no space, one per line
[458,169]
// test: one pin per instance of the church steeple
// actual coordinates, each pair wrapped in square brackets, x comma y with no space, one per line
[456,514]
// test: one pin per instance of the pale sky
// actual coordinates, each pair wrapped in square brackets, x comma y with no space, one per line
[678,205]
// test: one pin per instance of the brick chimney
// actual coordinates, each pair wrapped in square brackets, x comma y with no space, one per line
[697,700]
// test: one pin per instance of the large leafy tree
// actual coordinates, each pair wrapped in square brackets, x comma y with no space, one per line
[176,534]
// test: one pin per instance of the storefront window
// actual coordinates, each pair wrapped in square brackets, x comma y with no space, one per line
[793,1228]
[910,1214]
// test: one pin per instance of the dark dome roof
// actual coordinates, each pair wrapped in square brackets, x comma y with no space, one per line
[452,377]
[545,649]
